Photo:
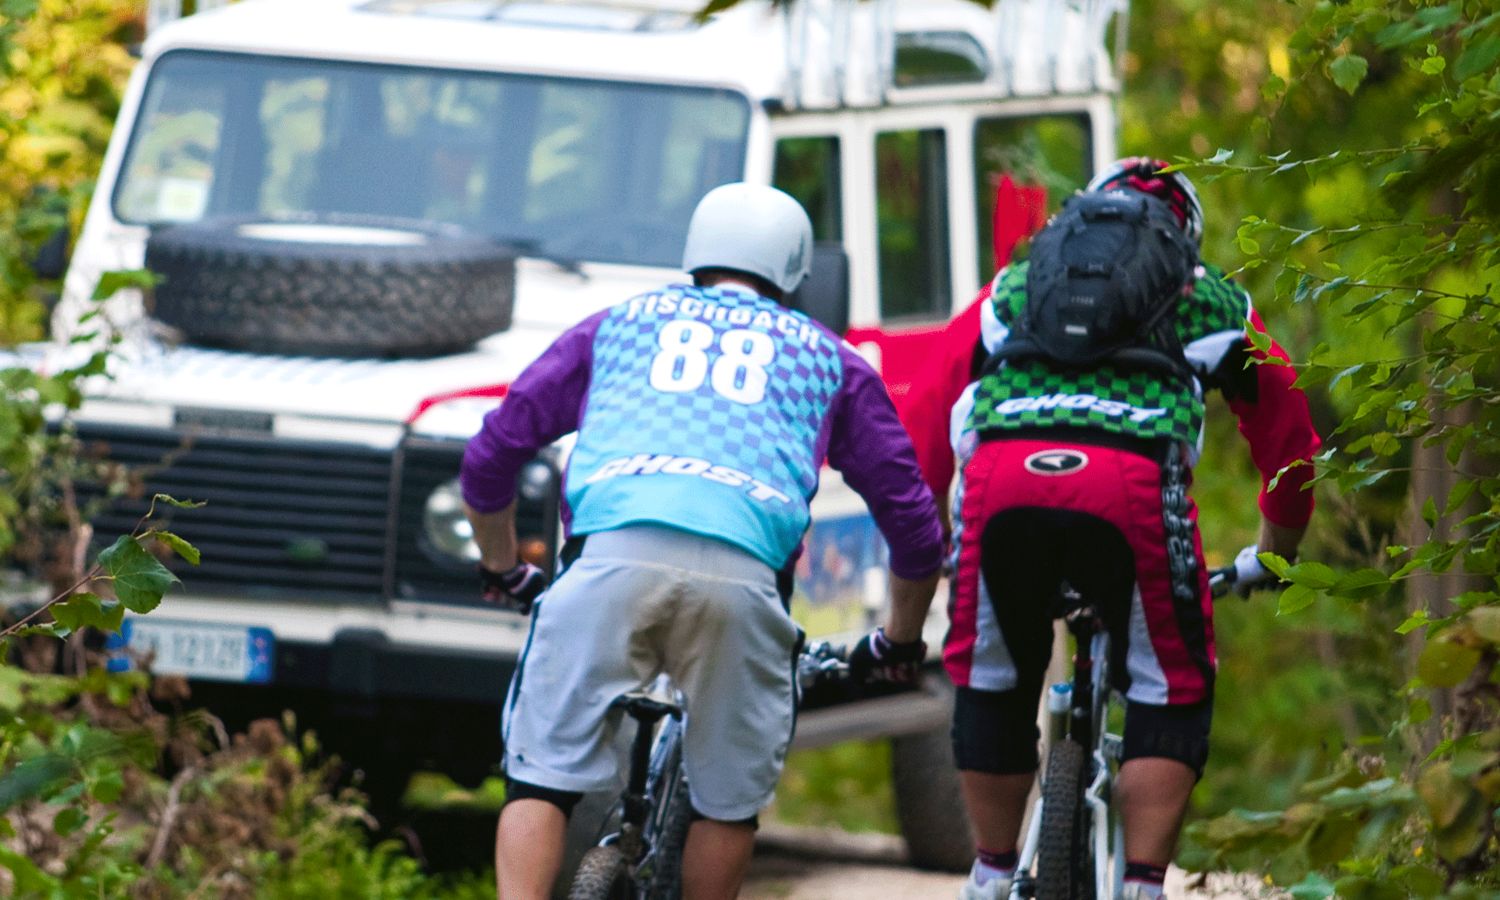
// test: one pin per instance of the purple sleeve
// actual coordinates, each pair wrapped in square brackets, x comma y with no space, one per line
[545,403]
[868,444]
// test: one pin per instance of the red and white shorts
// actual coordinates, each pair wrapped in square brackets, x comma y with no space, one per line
[1114,520]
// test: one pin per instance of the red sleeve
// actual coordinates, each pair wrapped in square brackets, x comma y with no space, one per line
[1278,426]
[933,393]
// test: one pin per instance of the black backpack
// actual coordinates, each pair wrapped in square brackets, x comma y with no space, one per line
[1105,276]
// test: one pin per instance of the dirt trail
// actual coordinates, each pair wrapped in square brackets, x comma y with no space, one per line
[818,864]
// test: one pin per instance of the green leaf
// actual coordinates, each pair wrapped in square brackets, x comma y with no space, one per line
[30,880]
[112,282]
[1295,599]
[68,820]
[1413,622]
[180,504]
[1477,57]
[33,778]
[1258,339]
[1429,512]
[139,579]
[86,610]
[1361,583]
[1434,65]
[1446,663]
[1274,564]
[179,546]
[108,785]
[1348,71]
[1312,574]
[1461,492]
[1363,887]
[1419,881]
[1313,887]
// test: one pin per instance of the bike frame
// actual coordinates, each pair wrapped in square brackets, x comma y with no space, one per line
[655,762]
[642,812]
[1087,724]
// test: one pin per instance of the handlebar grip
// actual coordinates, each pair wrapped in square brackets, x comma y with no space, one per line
[1221,580]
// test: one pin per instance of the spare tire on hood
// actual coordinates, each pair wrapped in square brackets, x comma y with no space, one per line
[331,285]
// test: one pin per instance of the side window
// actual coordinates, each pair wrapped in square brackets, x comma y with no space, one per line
[1045,157]
[912,204]
[808,168]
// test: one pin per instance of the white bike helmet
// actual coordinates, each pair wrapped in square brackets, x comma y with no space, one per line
[751,228]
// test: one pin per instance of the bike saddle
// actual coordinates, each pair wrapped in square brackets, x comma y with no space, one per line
[645,707]
[1067,602]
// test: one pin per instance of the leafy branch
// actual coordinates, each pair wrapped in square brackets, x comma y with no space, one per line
[139,580]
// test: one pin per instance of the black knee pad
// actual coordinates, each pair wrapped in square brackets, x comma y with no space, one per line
[995,731]
[695,816]
[1169,732]
[521,790]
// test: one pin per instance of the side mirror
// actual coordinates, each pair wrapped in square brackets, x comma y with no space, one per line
[51,260]
[824,295]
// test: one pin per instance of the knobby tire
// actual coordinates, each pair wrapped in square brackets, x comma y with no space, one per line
[1065,863]
[602,875]
[666,830]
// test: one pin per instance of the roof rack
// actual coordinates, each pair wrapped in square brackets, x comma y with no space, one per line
[845,52]
[850,53]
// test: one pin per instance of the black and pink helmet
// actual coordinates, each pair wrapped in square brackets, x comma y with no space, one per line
[1141,173]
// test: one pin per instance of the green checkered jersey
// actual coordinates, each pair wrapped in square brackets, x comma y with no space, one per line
[1210,323]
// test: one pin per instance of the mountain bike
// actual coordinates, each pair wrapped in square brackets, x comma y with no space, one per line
[1075,837]
[642,860]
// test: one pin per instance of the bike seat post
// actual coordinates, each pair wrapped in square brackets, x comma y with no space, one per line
[1082,620]
[646,711]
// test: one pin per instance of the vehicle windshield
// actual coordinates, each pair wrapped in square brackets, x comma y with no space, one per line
[564,168]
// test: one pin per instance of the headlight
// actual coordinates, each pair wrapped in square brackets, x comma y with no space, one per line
[435,549]
[446,530]
[445,527]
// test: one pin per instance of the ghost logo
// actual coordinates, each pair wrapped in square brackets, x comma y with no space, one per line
[1056,462]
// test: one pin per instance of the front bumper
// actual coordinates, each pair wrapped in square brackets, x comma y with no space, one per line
[367,665]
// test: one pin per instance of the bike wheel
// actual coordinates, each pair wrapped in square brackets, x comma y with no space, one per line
[1065,862]
[667,827]
[603,874]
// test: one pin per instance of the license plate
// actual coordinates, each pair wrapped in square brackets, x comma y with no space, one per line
[195,649]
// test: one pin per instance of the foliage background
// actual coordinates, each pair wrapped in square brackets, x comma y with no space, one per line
[1360,718]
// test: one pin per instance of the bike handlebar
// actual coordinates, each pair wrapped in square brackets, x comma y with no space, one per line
[1221,580]
[820,662]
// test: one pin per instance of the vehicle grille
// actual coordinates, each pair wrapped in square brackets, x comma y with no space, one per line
[280,516]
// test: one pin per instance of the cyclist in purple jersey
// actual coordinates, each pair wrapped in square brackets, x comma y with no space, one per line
[704,413]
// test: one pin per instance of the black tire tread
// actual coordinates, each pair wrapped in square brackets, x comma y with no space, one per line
[670,835]
[1064,868]
[602,875]
[930,807]
[222,288]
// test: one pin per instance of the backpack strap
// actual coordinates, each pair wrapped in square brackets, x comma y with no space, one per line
[1147,359]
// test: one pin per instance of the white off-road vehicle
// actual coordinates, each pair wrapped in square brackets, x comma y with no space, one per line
[370,215]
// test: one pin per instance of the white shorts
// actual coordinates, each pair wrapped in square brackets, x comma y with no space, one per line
[646,599]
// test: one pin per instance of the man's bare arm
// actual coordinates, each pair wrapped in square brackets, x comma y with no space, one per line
[910,601]
[495,533]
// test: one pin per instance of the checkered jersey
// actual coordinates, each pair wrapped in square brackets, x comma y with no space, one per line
[705,405]
[1032,393]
